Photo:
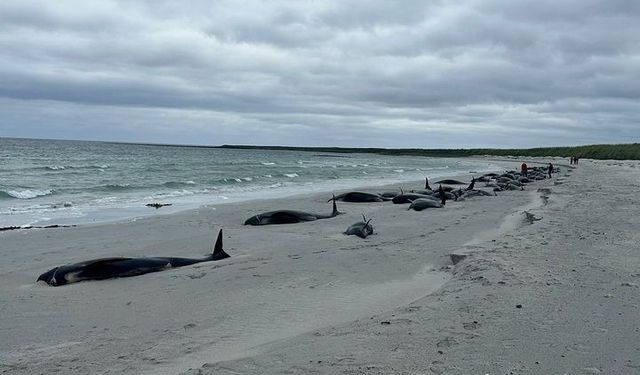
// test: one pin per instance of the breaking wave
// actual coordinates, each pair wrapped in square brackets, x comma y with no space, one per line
[24,194]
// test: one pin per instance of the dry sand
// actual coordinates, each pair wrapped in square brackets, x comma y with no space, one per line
[555,296]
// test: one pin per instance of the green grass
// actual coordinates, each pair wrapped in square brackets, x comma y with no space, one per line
[616,152]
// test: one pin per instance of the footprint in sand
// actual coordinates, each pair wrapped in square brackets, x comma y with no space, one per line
[447,342]
[471,325]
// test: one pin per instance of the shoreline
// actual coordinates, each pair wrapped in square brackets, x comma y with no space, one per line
[106,215]
[294,292]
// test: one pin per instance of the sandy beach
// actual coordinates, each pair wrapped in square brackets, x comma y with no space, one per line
[559,295]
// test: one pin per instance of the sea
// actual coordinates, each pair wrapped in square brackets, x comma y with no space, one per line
[47,182]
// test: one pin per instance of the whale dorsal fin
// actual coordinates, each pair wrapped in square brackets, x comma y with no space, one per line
[218,252]
[335,211]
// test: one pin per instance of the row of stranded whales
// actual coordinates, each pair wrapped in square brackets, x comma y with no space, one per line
[362,197]
[513,180]
[289,216]
[428,199]
[109,268]
[419,200]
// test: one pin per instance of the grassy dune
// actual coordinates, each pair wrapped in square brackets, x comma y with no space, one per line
[616,152]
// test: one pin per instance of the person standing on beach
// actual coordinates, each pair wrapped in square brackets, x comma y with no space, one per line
[443,196]
[550,169]
[524,169]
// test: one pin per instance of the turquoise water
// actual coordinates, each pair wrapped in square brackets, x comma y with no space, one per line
[60,182]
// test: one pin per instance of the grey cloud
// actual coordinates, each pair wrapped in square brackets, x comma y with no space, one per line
[350,73]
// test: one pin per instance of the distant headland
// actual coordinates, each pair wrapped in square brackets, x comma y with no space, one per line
[626,151]
[614,151]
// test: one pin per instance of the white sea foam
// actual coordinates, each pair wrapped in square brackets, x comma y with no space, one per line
[268,163]
[28,194]
[181,193]
[291,175]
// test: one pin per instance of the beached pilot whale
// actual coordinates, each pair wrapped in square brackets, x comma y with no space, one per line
[108,268]
[289,217]
[422,204]
[450,182]
[360,197]
[403,197]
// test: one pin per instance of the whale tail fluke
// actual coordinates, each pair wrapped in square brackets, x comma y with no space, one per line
[218,252]
[472,184]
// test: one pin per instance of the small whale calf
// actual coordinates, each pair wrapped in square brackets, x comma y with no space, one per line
[361,229]
[108,268]
[422,204]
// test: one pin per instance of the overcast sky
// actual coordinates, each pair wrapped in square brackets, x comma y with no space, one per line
[355,73]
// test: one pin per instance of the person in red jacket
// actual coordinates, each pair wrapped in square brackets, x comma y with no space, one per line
[523,169]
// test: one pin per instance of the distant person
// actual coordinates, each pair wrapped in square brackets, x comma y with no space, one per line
[571,159]
[524,169]
[550,169]
[575,160]
[443,196]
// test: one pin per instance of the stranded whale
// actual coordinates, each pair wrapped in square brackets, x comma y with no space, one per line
[289,217]
[422,204]
[360,197]
[108,268]
[361,229]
